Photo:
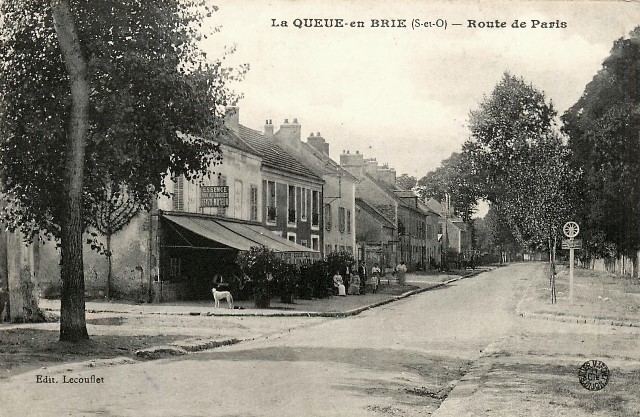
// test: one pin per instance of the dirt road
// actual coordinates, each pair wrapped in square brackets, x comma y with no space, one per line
[401,359]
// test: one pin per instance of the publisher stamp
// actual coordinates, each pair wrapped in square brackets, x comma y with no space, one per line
[593,375]
[69,379]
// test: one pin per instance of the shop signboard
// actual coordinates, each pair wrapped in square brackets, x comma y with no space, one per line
[214,196]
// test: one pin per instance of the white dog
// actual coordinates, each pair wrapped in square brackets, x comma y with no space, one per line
[222,295]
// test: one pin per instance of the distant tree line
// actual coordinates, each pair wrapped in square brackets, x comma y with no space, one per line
[537,173]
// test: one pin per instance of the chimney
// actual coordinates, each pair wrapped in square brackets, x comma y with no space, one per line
[319,143]
[289,135]
[387,175]
[232,118]
[354,163]
[371,167]
[268,129]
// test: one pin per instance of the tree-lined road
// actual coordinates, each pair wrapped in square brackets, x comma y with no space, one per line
[399,359]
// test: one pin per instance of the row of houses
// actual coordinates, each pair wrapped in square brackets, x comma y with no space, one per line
[274,189]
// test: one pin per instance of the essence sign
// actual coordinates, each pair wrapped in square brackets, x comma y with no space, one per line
[214,196]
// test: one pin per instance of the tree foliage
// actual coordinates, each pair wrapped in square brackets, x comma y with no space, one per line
[604,131]
[456,177]
[93,95]
[406,181]
[522,163]
[497,233]
[148,81]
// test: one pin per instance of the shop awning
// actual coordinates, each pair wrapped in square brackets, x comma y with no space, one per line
[240,236]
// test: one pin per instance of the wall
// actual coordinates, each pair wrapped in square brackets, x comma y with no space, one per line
[432,244]
[338,189]
[282,227]
[622,265]
[373,241]
[130,260]
[345,190]
[236,165]
[377,198]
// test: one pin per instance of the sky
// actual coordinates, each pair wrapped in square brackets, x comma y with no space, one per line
[403,95]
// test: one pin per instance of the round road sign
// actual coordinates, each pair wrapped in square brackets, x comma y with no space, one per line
[571,229]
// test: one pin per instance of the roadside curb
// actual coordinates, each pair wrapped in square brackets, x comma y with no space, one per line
[193,345]
[330,314]
[454,404]
[183,347]
[578,319]
[187,346]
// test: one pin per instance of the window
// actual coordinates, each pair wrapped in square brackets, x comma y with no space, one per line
[327,216]
[341,219]
[237,199]
[291,198]
[222,180]
[348,221]
[315,242]
[271,202]
[175,267]
[304,204]
[291,237]
[253,199]
[315,209]
[304,242]
[341,248]
[350,249]
[178,194]
[327,249]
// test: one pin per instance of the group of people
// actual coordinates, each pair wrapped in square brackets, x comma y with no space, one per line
[356,280]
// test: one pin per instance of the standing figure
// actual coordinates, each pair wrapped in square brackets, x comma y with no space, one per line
[362,271]
[354,285]
[401,271]
[375,277]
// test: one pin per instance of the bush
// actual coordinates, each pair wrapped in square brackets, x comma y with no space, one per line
[339,262]
[287,278]
[260,264]
[315,281]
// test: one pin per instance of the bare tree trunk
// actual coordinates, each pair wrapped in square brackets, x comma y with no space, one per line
[72,309]
[552,272]
[109,266]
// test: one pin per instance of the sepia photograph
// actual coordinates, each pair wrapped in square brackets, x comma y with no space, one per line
[319,208]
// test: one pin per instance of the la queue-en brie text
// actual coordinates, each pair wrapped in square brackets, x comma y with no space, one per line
[403,23]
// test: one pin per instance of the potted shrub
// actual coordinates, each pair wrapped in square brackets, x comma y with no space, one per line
[287,279]
[260,264]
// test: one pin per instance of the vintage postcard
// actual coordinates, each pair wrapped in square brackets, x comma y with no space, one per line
[319,208]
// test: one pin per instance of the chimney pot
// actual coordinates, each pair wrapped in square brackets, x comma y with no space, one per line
[357,152]
[295,120]
[286,121]
[318,133]
[311,135]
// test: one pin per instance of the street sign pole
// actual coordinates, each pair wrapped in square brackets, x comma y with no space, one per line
[571,272]
[571,230]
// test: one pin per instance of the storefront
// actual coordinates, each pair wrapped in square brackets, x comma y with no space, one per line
[198,252]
